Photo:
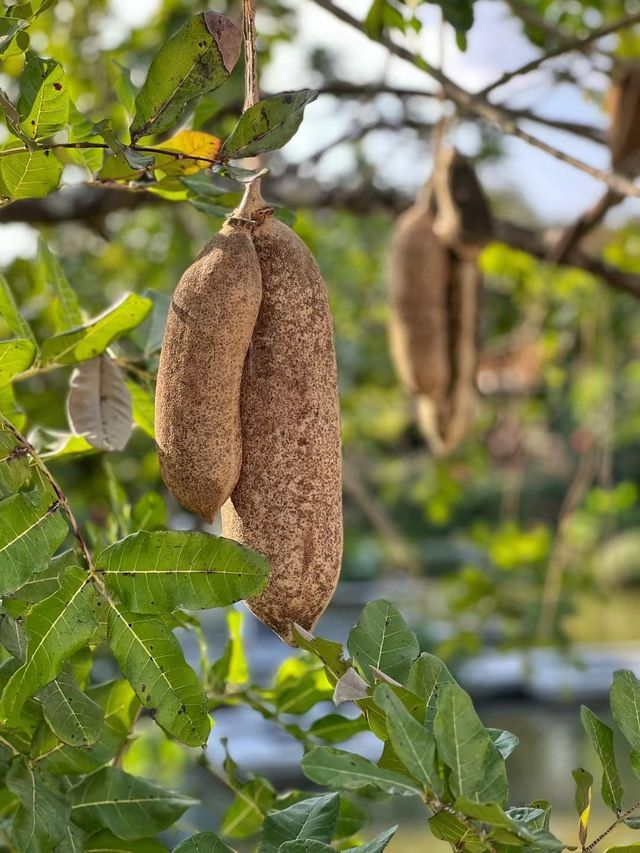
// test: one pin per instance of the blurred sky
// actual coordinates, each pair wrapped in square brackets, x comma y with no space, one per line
[554,191]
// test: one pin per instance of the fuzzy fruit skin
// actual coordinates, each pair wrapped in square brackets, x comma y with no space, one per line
[418,274]
[208,334]
[287,503]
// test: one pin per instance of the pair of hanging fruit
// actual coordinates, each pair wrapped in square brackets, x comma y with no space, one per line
[434,296]
[247,412]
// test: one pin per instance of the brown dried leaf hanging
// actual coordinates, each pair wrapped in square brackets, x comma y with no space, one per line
[99,404]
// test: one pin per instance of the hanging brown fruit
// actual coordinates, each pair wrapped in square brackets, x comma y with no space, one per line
[434,290]
[208,333]
[287,503]
[624,131]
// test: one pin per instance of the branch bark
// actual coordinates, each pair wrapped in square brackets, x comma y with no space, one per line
[479,106]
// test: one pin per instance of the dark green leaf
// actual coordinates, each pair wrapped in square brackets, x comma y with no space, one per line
[32,527]
[477,768]
[426,676]
[160,571]
[194,61]
[377,845]
[413,743]
[45,812]
[314,818]
[338,769]
[267,125]
[381,639]
[128,806]
[73,717]
[625,705]
[153,662]
[351,819]
[56,629]
[335,728]
[203,842]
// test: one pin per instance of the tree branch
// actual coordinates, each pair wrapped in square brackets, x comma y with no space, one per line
[496,115]
[569,46]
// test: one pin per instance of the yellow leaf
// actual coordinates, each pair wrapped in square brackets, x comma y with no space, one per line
[194,143]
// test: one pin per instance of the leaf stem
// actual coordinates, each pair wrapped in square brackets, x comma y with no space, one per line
[147,149]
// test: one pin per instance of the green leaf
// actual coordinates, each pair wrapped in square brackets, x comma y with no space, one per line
[73,717]
[335,728]
[12,636]
[157,320]
[15,356]
[267,125]
[143,407]
[505,742]
[413,743]
[128,806]
[153,662]
[314,818]
[149,513]
[374,20]
[506,827]
[11,409]
[194,61]
[56,628]
[203,842]
[44,98]
[30,174]
[624,848]
[14,464]
[160,571]
[351,819]
[377,845]
[381,639]
[107,842]
[11,313]
[46,812]
[335,768]
[625,705]
[458,13]
[329,652]
[446,826]
[32,527]
[601,737]
[119,705]
[233,667]
[45,583]
[426,676]
[73,841]
[87,341]
[247,812]
[68,313]
[477,768]
[308,845]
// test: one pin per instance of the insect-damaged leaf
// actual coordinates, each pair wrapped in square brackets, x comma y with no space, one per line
[194,61]
[267,125]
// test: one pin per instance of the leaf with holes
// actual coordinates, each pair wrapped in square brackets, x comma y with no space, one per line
[314,818]
[15,356]
[99,405]
[32,528]
[56,628]
[195,60]
[73,717]
[267,125]
[29,174]
[381,639]
[157,572]
[128,806]
[152,660]
[44,98]
[465,746]
[338,769]
[88,341]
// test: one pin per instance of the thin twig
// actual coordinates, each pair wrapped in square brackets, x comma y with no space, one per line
[577,44]
[620,819]
[494,114]
[145,149]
